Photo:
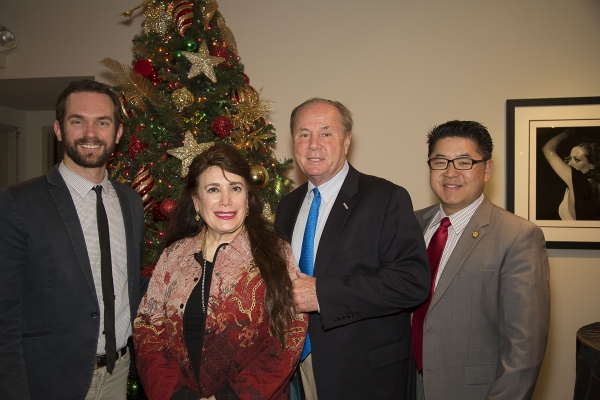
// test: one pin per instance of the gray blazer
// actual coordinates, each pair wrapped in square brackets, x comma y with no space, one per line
[49,311]
[486,329]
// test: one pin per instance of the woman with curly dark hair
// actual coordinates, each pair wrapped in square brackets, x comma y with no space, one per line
[580,171]
[217,320]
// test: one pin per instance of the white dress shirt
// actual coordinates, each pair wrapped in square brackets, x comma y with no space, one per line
[84,198]
[329,191]
[458,221]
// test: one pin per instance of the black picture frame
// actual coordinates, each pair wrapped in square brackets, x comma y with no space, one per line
[526,121]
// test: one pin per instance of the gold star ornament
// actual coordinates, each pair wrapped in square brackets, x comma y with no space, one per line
[157,20]
[190,149]
[202,62]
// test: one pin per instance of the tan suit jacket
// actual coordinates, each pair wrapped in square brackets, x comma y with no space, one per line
[486,329]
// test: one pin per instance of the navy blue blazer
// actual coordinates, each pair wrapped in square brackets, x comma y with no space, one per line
[371,266]
[49,311]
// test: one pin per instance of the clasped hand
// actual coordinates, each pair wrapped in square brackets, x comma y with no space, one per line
[304,288]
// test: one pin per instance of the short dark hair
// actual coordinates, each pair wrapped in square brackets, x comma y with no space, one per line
[87,86]
[345,114]
[592,153]
[463,129]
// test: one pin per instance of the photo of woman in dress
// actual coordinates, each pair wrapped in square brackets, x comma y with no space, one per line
[574,156]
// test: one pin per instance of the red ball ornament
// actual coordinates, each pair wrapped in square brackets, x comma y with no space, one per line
[222,126]
[246,78]
[136,146]
[219,52]
[158,215]
[143,66]
[183,16]
[167,206]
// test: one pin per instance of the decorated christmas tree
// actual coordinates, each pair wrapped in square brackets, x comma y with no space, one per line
[186,90]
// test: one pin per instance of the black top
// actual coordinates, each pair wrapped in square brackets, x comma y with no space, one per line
[587,204]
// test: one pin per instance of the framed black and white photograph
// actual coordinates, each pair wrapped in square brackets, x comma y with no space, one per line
[553,168]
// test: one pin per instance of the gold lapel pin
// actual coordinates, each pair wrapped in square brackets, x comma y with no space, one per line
[475,234]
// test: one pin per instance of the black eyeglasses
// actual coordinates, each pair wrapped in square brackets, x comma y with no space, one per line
[461,163]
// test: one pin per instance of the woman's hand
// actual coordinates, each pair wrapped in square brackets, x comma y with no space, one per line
[572,133]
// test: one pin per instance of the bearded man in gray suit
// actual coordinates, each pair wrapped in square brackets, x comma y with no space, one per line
[482,333]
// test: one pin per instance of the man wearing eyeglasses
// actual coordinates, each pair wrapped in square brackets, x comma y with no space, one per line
[482,333]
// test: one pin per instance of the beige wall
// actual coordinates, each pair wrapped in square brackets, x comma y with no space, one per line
[401,66]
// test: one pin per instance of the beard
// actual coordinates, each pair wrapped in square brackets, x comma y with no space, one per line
[89,160]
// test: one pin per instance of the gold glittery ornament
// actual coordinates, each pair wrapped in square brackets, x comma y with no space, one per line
[183,16]
[244,93]
[144,3]
[199,116]
[250,140]
[250,109]
[157,20]
[278,187]
[137,89]
[208,12]
[190,149]
[182,98]
[202,62]
[259,176]
[143,182]
[115,168]
[227,34]
[267,214]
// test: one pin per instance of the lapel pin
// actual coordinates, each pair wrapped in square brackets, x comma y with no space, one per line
[345,206]
[475,234]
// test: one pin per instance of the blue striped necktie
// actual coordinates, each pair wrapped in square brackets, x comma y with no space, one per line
[307,256]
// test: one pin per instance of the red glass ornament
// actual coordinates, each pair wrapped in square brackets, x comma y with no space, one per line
[143,66]
[219,52]
[136,146]
[183,16]
[158,215]
[222,126]
[246,78]
[167,206]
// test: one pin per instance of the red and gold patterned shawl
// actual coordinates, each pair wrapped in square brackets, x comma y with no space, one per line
[238,352]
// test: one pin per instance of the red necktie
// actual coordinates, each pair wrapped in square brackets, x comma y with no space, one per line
[434,252]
